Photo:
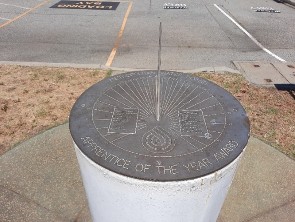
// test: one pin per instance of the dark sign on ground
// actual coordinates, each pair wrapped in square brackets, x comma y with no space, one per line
[94,5]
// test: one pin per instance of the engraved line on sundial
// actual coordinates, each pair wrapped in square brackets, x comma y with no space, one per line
[131,94]
[144,93]
[183,104]
[176,99]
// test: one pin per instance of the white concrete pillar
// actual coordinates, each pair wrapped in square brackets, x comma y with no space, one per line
[113,197]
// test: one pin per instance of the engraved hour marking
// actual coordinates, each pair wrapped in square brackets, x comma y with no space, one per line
[176,100]
[136,101]
[200,102]
[177,106]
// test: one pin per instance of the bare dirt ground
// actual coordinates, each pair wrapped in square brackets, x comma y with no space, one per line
[33,99]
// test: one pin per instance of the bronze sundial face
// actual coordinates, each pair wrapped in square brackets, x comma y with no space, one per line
[201,127]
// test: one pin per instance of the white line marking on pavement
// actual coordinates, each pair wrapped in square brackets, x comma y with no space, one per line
[23,14]
[4,18]
[15,6]
[249,35]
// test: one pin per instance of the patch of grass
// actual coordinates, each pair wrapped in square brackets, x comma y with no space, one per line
[293,149]
[272,111]
[109,73]
[41,113]
[270,134]
[35,76]
[45,101]
[237,85]
[95,73]
[226,85]
[60,76]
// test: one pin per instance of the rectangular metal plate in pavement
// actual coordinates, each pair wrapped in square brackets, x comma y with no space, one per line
[93,5]
[261,73]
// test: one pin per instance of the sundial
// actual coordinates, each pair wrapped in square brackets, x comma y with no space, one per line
[161,127]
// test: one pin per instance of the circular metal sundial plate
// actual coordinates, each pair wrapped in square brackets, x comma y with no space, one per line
[202,127]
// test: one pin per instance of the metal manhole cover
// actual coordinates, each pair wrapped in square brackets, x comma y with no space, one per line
[201,128]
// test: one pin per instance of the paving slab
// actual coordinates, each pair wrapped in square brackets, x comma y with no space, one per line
[40,179]
[260,73]
[15,207]
[287,70]
[84,215]
[283,213]
[44,169]
[264,182]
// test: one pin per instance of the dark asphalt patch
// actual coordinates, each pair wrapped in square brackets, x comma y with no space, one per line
[93,5]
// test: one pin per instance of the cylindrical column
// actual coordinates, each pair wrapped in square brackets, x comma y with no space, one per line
[135,168]
[113,197]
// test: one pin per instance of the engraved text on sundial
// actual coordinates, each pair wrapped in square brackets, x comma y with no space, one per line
[123,121]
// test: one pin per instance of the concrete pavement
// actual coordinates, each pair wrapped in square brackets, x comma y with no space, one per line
[40,181]
[199,36]
[268,74]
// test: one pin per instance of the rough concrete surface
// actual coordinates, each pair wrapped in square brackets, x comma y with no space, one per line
[40,181]
[264,182]
[199,36]
[15,207]
[287,70]
[44,170]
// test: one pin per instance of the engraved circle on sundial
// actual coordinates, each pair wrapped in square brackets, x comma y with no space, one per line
[190,116]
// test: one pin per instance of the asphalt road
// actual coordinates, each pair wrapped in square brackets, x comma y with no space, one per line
[200,36]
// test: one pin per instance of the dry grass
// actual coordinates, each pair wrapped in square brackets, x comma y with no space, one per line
[33,99]
[271,112]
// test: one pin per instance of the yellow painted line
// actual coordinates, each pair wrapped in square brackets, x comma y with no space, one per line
[23,14]
[119,37]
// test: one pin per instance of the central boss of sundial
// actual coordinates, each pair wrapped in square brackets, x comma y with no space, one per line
[200,129]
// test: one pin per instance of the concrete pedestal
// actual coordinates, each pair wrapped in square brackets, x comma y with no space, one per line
[113,197]
[150,155]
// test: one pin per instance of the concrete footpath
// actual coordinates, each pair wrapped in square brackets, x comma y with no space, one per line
[40,181]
